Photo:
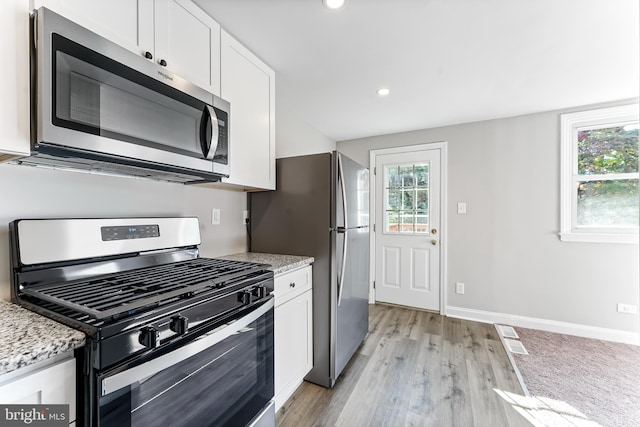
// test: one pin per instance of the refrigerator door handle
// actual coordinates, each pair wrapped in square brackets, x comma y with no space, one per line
[344,227]
[344,263]
[343,190]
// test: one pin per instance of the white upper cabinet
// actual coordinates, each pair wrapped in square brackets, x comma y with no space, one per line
[128,23]
[189,41]
[14,84]
[174,33]
[182,37]
[249,85]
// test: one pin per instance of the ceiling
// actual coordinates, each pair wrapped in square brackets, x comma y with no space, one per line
[445,61]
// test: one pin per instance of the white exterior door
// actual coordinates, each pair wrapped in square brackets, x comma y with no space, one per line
[407,231]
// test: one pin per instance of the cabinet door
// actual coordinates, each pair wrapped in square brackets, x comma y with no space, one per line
[54,384]
[293,345]
[128,23]
[14,84]
[189,41]
[249,85]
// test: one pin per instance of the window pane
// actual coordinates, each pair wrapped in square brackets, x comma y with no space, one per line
[422,175]
[422,201]
[406,222]
[422,222]
[392,177]
[608,203]
[393,200]
[406,176]
[407,200]
[391,221]
[608,150]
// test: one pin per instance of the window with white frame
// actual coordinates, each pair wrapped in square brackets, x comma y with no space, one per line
[600,200]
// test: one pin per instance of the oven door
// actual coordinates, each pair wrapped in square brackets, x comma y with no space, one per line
[222,377]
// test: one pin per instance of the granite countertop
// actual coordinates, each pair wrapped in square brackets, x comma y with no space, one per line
[279,263]
[27,338]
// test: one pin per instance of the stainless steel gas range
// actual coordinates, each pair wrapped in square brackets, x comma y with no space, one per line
[172,338]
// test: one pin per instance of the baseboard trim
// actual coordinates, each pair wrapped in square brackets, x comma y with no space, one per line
[595,332]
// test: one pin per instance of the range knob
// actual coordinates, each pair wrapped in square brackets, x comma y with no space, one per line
[149,337]
[259,291]
[244,297]
[179,324]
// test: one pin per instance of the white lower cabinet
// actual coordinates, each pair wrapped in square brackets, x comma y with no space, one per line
[293,331]
[52,384]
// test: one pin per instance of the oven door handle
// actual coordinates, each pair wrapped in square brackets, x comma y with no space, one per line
[138,373]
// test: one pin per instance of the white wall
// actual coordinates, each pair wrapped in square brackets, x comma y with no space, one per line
[294,136]
[506,249]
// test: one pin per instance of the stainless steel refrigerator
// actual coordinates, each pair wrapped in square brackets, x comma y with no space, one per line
[321,209]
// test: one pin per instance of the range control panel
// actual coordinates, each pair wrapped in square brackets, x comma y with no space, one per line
[125,232]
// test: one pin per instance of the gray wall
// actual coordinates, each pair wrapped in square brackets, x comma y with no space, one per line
[39,193]
[506,249]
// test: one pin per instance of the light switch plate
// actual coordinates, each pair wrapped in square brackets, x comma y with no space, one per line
[462,208]
[215,216]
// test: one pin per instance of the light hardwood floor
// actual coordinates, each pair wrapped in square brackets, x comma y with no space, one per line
[415,368]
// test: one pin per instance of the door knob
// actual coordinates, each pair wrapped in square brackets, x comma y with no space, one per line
[434,230]
[434,242]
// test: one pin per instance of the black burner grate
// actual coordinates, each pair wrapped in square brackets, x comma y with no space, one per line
[130,291]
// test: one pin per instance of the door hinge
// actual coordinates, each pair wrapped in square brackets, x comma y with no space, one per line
[374,284]
[374,228]
[374,170]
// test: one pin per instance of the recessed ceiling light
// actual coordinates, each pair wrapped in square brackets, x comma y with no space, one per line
[383,92]
[333,4]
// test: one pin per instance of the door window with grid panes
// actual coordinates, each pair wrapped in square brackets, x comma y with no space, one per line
[407,198]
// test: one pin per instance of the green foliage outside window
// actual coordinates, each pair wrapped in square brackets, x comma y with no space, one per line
[611,200]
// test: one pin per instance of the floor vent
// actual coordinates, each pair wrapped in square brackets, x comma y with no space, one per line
[515,346]
[507,331]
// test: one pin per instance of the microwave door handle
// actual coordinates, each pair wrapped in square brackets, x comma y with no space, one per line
[209,132]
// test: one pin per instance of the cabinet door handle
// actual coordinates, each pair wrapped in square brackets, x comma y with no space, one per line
[162,62]
[148,55]
[292,284]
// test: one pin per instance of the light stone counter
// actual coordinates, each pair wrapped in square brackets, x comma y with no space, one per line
[27,338]
[279,263]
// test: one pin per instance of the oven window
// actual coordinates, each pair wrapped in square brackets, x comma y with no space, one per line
[96,95]
[226,384]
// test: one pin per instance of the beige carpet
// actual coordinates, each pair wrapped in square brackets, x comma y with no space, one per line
[579,381]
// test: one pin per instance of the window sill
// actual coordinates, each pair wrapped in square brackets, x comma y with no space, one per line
[599,238]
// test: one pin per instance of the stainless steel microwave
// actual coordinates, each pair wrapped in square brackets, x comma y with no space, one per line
[101,108]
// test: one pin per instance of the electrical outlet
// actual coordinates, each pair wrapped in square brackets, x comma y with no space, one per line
[460,288]
[215,216]
[627,308]
[245,217]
